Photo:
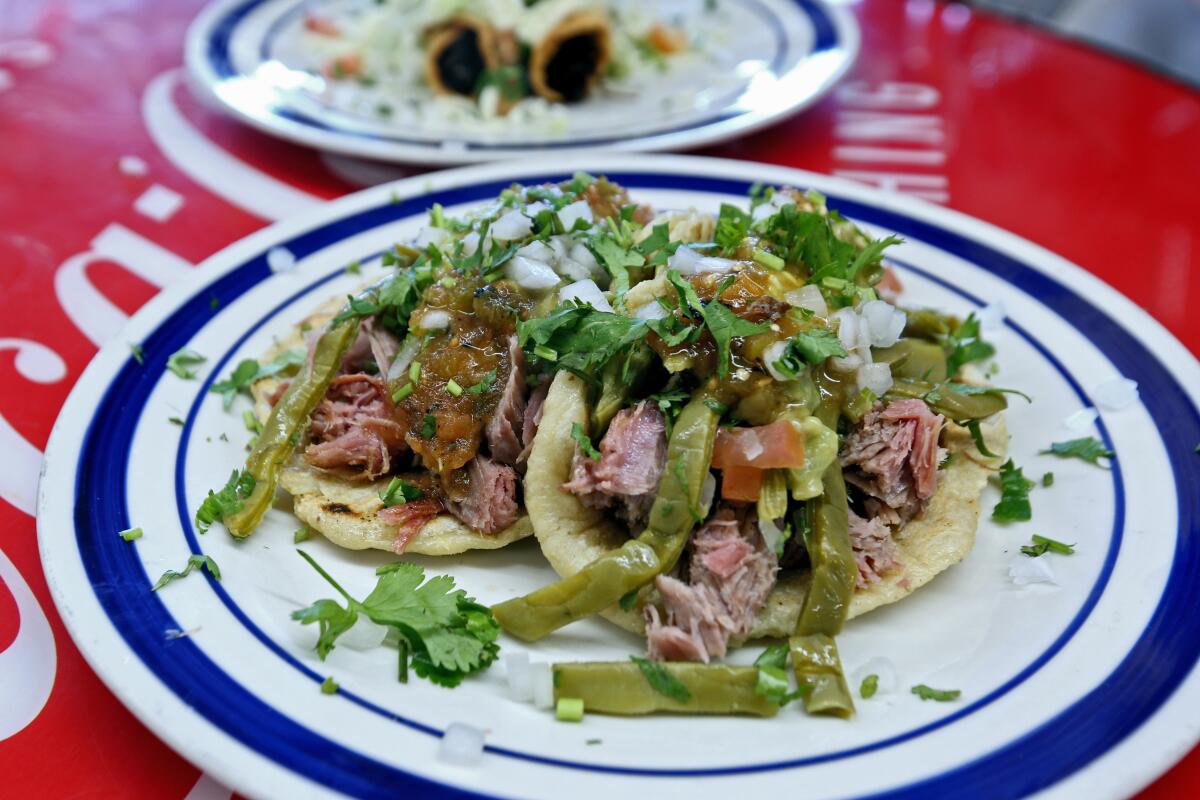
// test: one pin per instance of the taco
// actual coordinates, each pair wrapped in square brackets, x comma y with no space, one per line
[405,422]
[784,449]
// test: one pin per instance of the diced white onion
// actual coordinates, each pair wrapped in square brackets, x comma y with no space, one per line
[875,377]
[1024,570]
[584,257]
[461,745]
[1082,419]
[808,297]
[280,259]
[363,634]
[652,310]
[561,245]
[538,251]
[883,669]
[434,320]
[586,291]
[685,260]
[542,677]
[511,225]
[408,351]
[847,327]
[715,264]
[572,269]
[992,316]
[577,210]
[1115,394]
[535,208]
[530,274]
[520,677]
[707,492]
[428,235]
[885,322]
[470,243]
[772,354]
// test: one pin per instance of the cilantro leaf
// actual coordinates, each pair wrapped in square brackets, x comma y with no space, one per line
[964,345]
[1048,479]
[243,375]
[581,338]
[661,680]
[977,435]
[616,260]
[689,301]
[195,561]
[870,685]
[941,695]
[1089,449]
[445,633]
[585,443]
[732,226]
[485,385]
[670,402]
[398,492]
[657,247]
[228,500]
[1042,545]
[774,656]
[724,325]
[428,426]
[329,686]
[356,308]
[809,347]
[628,600]
[1014,495]
[180,360]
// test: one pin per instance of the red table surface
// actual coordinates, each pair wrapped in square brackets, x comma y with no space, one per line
[1088,155]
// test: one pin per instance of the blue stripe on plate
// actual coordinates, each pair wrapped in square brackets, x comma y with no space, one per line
[825,38]
[1058,747]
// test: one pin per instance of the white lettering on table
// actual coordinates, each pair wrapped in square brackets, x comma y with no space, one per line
[28,664]
[22,461]
[94,314]
[876,130]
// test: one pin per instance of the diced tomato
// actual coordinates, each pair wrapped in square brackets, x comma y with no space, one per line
[667,40]
[780,444]
[321,25]
[741,483]
[345,66]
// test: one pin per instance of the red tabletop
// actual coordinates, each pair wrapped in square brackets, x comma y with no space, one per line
[114,182]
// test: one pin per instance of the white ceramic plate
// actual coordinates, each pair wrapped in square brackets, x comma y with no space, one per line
[1081,689]
[770,58]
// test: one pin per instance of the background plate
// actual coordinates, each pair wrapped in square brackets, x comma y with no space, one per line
[786,54]
[1081,689]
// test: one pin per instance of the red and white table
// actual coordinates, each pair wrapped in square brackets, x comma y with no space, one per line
[114,182]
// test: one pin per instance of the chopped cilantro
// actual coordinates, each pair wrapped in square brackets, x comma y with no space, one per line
[428,426]
[139,354]
[484,385]
[329,686]
[1089,449]
[243,375]
[131,535]
[356,308]
[941,695]
[398,492]
[725,326]
[447,635]
[453,388]
[181,360]
[661,680]
[580,339]
[809,347]
[175,421]
[772,676]
[732,226]
[628,600]
[1042,545]
[616,260]
[1048,479]
[657,247]
[252,422]
[1014,495]
[228,501]
[869,686]
[977,435]
[354,268]
[585,443]
[302,534]
[670,402]
[965,345]
[194,561]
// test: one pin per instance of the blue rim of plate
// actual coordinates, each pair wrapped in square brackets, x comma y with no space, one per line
[826,39]
[1164,653]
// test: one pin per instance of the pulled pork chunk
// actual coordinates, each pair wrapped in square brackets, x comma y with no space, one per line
[532,418]
[383,344]
[488,502]
[731,574]
[409,518]
[892,457]
[353,429]
[874,549]
[633,455]
[503,430]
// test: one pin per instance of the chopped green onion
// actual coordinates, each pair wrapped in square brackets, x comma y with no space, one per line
[449,282]
[403,392]
[329,686]
[301,535]
[1048,479]
[132,534]
[941,695]
[428,426]
[834,283]
[414,372]
[453,388]
[768,260]
[569,709]
[870,685]
[1043,544]
[541,351]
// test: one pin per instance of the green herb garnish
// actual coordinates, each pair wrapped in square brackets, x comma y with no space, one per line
[428,426]
[809,347]
[329,686]
[181,360]
[965,345]
[139,354]
[1042,545]
[661,680]
[228,500]
[869,686]
[194,561]
[584,442]
[1014,495]
[398,492]
[941,695]
[1048,479]
[1089,449]
[628,600]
